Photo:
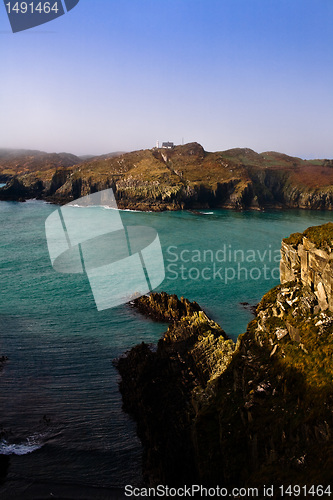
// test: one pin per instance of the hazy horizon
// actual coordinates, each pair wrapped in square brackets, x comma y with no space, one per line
[118,76]
[140,149]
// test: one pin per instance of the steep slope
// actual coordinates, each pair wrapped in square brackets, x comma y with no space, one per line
[258,413]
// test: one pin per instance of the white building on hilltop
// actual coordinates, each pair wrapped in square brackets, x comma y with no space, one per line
[168,145]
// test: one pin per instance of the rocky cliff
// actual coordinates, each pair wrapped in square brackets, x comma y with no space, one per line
[164,389]
[184,177]
[255,413]
[308,258]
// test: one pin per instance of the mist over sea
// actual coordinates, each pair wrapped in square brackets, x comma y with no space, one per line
[60,406]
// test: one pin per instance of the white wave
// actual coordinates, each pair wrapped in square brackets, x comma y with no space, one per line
[126,209]
[107,207]
[76,205]
[207,213]
[31,444]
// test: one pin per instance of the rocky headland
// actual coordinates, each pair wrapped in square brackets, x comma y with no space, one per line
[254,413]
[184,177]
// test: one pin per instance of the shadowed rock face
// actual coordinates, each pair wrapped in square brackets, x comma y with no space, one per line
[258,412]
[185,177]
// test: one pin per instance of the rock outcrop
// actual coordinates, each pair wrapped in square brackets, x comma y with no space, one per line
[162,389]
[255,413]
[308,258]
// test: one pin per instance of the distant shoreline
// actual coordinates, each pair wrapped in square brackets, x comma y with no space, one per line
[181,178]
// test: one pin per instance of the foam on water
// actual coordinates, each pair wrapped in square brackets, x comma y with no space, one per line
[29,445]
[106,207]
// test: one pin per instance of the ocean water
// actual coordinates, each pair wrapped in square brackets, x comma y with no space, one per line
[59,400]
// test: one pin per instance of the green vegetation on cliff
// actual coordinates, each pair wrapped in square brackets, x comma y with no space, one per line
[321,236]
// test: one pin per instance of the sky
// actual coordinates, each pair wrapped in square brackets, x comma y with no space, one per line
[120,75]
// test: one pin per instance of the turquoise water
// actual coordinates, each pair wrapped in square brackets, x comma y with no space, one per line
[59,394]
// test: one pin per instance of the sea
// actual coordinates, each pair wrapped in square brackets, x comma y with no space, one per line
[61,417]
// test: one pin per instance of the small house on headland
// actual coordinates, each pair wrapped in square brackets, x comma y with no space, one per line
[167,145]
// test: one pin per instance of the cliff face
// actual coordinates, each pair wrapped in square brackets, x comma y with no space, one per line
[260,412]
[183,177]
[308,258]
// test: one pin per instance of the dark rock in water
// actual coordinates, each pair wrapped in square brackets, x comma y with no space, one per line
[250,307]
[165,307]
[46,420]
[195,212]
[261,412]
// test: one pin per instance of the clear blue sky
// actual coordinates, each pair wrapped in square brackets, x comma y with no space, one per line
[118,75]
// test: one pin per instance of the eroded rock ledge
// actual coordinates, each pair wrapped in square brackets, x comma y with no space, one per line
[164,389]
[259,412]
